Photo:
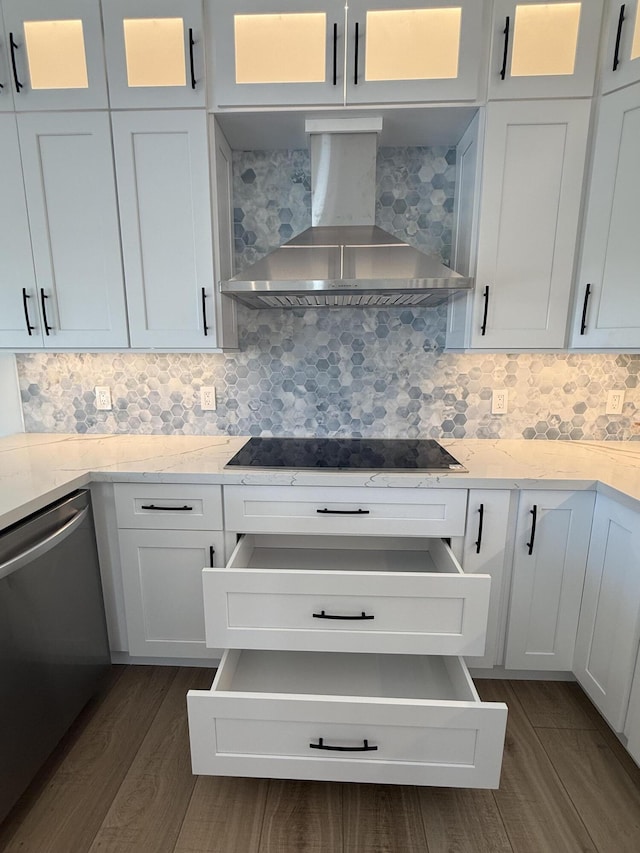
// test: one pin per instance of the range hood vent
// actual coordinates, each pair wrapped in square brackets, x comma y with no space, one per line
[344,259]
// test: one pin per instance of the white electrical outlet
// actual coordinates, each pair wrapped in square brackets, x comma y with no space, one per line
[208,398]
[103,398]
[499,402]
[615,402]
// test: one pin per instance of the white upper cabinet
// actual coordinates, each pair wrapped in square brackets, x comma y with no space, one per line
[155,53]
[608,307]
[534,155]
[55,54]
[621,64]
[162,165]
[322,53]
[426,50]
[544,50]
[19,319]
[71,200]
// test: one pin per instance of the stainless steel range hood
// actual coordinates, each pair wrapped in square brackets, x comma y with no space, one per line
[344,258]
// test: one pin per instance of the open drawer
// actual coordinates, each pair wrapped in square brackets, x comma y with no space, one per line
[345,593]
[400,719]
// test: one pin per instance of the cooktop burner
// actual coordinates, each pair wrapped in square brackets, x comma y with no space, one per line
[346,454]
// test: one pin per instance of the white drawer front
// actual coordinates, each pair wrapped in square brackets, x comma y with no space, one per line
[268,713]
[402,596]
[167,507]
[374,512]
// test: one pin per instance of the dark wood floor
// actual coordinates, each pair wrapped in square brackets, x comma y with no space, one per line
[121,782]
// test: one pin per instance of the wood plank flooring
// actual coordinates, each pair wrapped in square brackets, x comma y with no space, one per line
[120,782]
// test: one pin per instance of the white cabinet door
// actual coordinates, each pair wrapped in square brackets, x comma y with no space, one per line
[544,50]
[632,725]
[608,307]
[552,539]
[487,550]
[19,318]
[155,53]
[424,50]
[162,580]
[609,627]
[621,64]
[69,182]
[55,50]
[162,164]
[534,154]
[265,56]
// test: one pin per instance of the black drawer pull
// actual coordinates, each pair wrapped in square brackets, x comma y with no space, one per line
[323,615]
[483,327]
[322,745]
[480,525]
[335,54]
[194,82]
[43,303]
[505,52]
[25,305]
[13,46]
[616,50]
[326,511]
[184,508]
[534,513]
[583,322]
[212,554]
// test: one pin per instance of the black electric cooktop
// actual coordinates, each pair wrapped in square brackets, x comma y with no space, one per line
[346,454]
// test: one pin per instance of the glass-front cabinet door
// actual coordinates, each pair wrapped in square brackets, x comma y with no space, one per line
[420,50]
[621,64]
[267,53]
[155,53]
[54,52]
[544,50]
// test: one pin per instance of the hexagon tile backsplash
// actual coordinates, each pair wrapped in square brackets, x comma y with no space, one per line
[347,372]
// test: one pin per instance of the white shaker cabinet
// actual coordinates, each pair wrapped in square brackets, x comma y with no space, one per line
[19,318]
[609,628]
[608,296]
[487,549]
[323,53]
[76,299]
[55,54]
[632,725]
[162,166]
[155,53]
[551,543]
[532,174]
[544,50]
[621,64]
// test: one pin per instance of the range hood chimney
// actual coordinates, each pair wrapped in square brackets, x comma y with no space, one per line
[344,259]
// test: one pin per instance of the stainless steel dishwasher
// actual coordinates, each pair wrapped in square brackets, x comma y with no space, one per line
[53,638]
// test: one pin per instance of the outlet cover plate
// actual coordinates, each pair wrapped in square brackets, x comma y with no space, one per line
[103,398]
[499,402]
[208,398]
[615,402]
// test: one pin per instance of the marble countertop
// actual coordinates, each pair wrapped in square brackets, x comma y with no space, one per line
[37,468]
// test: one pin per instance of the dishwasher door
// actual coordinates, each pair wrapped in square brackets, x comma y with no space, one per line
[53,638]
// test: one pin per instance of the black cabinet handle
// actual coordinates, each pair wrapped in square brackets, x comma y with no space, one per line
[534,513]
[616,52]
[583,322]
[322,745]
[480,523]
[355,54]
[323,615]
[212,553]
[184,508]
[483,327]
[14,47]
[26,296]
[191,65]
[204,312]
[43,302]
[326,511]
[503,70]
[335,54]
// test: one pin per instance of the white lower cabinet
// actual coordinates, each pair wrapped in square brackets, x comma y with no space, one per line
[162,581]
[632,725]
[346,593]
[609,628]
[551,544]
[401,719]
[343,611]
